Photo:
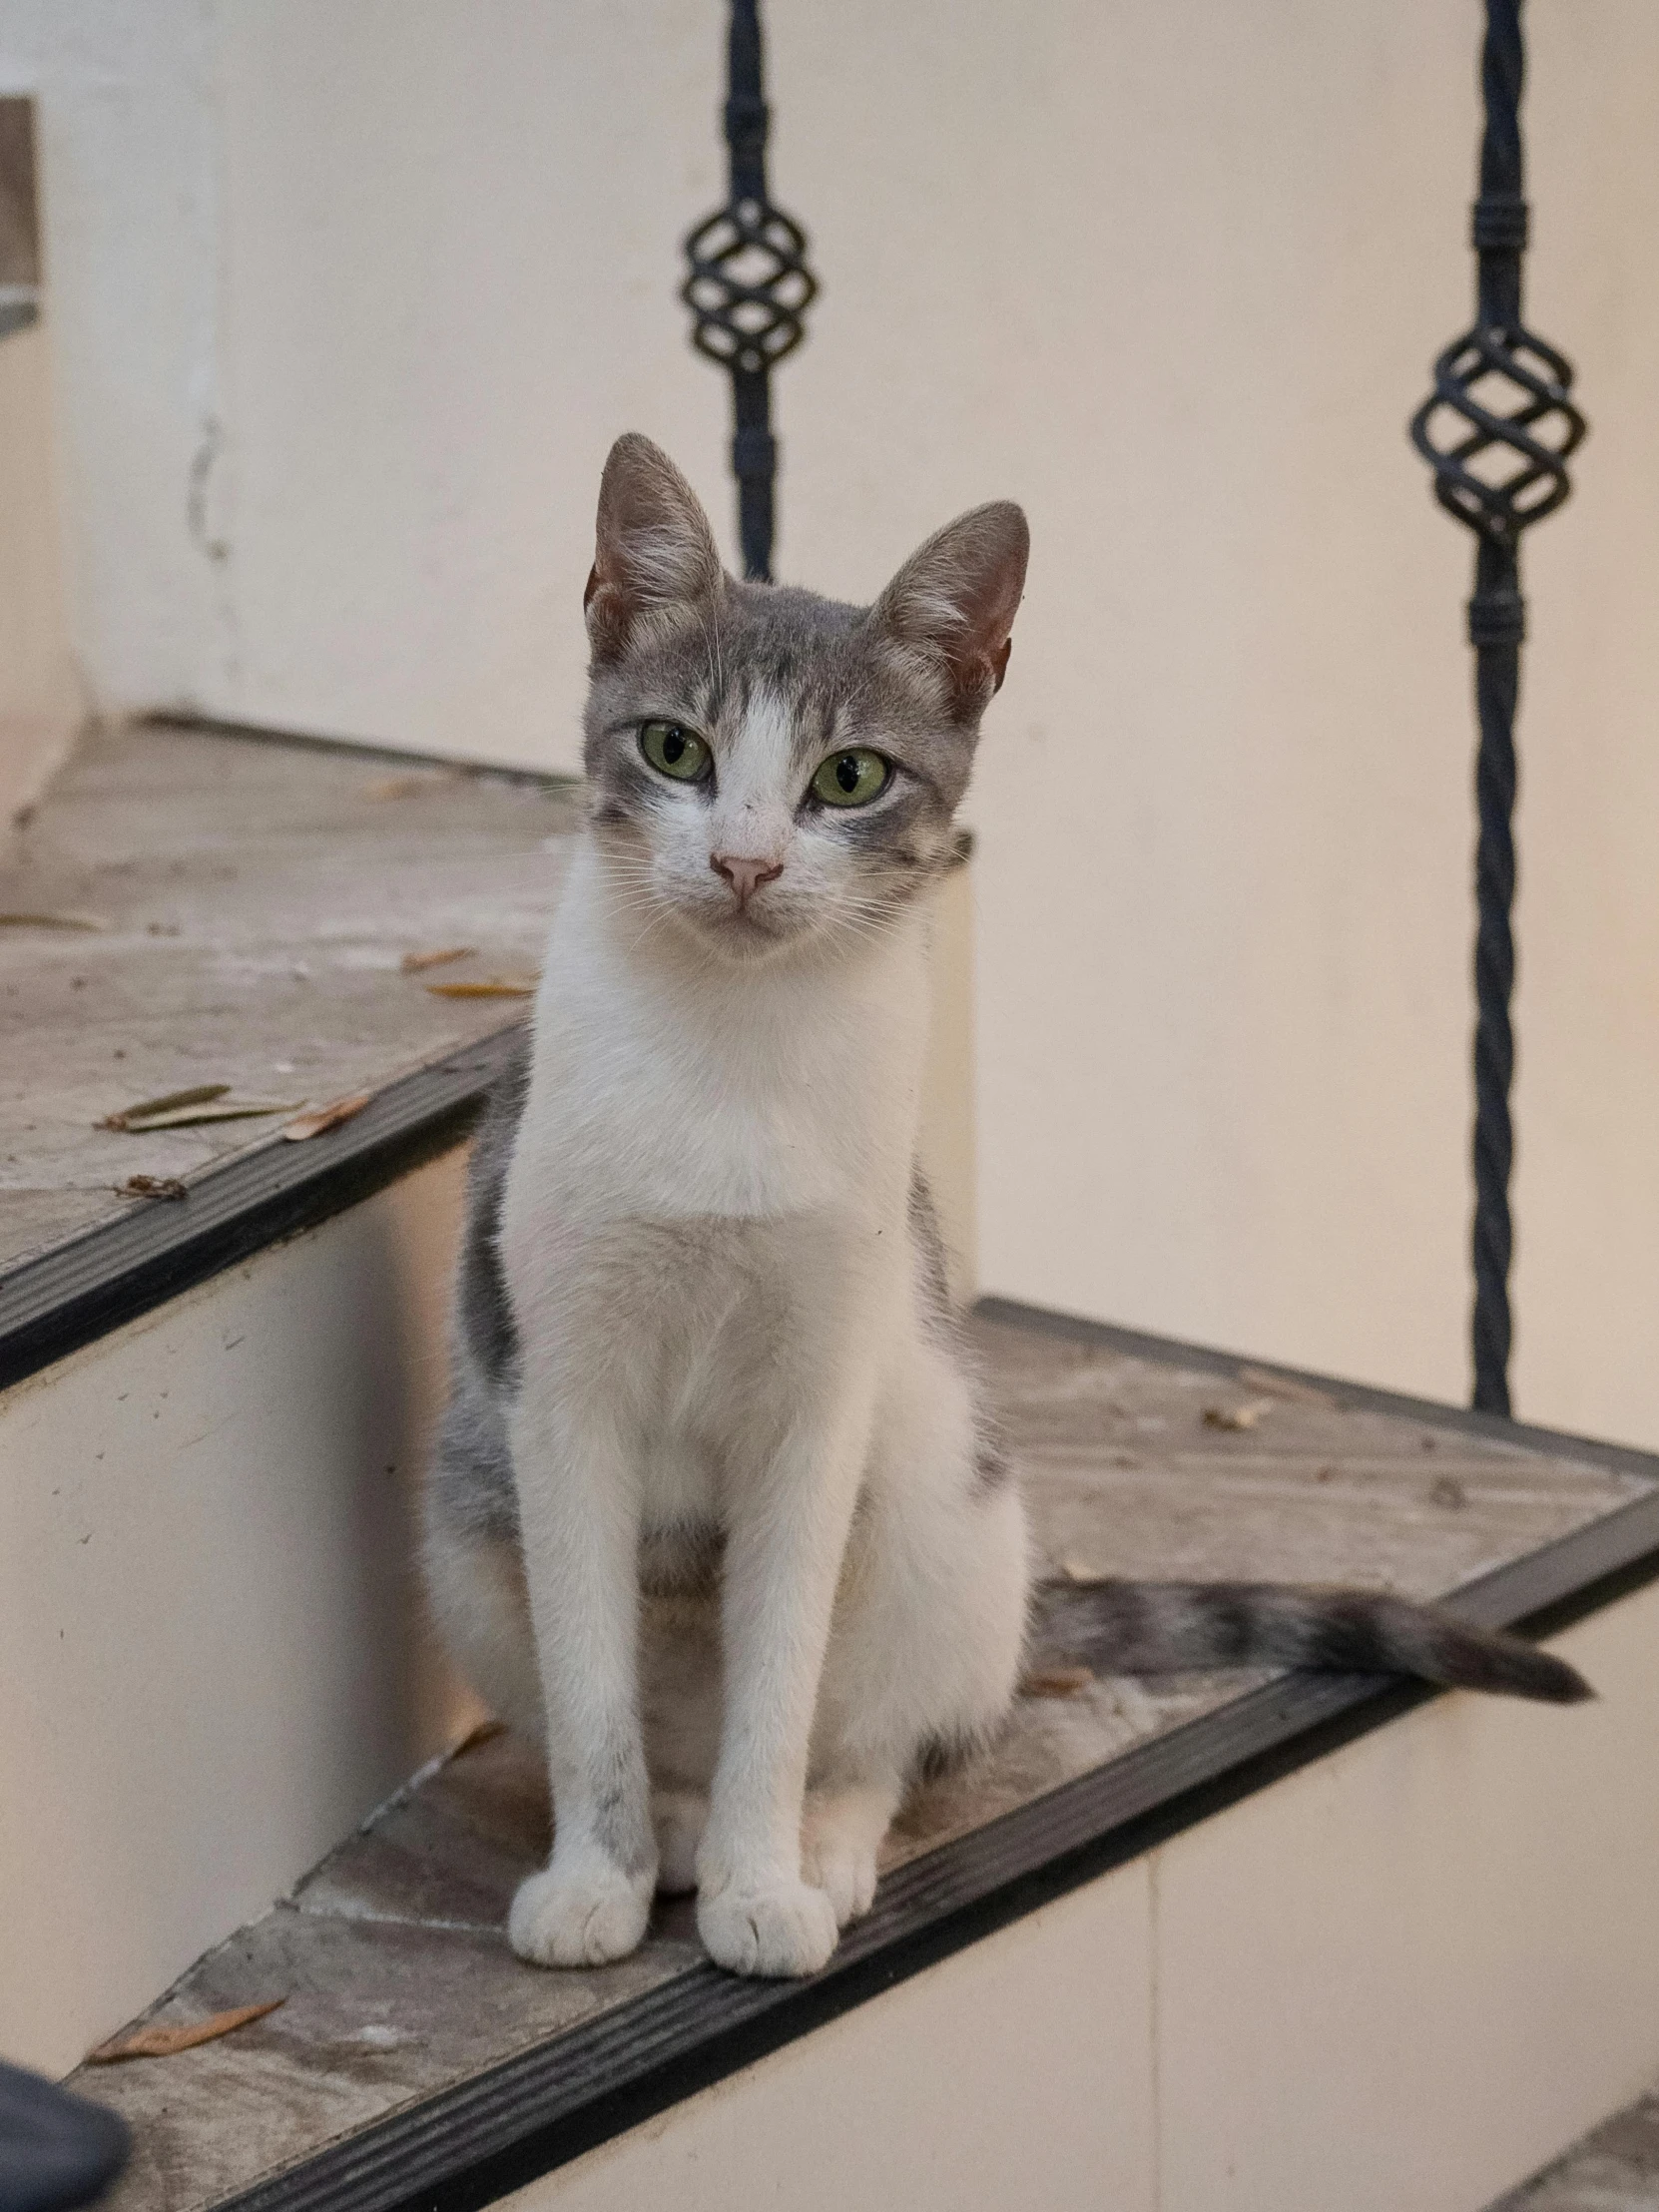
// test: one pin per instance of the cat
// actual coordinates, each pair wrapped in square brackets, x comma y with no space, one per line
[717,1512]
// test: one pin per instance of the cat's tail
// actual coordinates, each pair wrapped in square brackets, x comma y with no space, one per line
[1162,1627]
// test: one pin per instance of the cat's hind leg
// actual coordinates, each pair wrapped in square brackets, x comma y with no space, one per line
[929,1622]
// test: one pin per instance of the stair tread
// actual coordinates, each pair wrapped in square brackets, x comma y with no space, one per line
[257,896]
[409,2032]
[1614,2169]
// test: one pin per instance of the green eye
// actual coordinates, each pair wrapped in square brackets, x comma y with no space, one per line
[851,778]
[675,751]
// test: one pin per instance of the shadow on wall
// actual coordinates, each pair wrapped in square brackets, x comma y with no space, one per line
[40,705]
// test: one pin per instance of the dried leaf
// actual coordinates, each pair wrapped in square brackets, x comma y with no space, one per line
[62,921]
[486,1732]
[326,1117]
[489,986]
[1079,1571]
[151,1186]
[1237,1416]
[163,2042]
[414,962]
[1284,1386]
[408,787]
[166,1104]
[1056,1682]
[182,1109]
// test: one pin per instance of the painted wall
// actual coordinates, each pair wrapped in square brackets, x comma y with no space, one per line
[40,705]
[349,304]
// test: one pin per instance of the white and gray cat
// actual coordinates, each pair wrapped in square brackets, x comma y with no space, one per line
[718,1512]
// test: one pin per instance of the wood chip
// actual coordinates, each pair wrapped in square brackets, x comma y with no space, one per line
[1284,1386]
[1235,1417]
[489,986]
[326,1117]
[151,1186]
[63,921]
[414,962]
[163,2043]
[1056,1682]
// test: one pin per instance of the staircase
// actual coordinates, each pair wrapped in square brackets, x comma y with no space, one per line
[1197,1942]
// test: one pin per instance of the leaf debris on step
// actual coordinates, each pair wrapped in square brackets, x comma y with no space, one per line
[485,1732]
[488,986]
[1079,1571]
[326,1117]
[54,920]
[1237,1416]
[1284,1386]
[1055,1682]
[413,962]
[163,2042]
[181,1109]
[152,1186]
[410,785]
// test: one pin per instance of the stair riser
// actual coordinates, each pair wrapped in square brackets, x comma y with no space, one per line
[212,1664]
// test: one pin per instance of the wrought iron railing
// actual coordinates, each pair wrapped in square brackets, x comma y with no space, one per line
[749,289]
[1497,430]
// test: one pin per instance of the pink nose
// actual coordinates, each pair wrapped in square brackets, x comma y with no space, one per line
[744,876]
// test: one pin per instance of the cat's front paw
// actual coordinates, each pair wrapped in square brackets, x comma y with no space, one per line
[784,1928]
[583,1918]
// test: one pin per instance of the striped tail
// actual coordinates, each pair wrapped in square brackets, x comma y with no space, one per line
[1164,1627]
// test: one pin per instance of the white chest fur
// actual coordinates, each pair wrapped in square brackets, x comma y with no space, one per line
[665,1085]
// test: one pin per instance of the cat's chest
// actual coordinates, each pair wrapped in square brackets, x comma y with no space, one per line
[642,1104]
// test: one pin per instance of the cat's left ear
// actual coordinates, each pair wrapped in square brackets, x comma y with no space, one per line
[953,602]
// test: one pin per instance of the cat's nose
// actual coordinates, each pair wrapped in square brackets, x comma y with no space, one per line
[744,875]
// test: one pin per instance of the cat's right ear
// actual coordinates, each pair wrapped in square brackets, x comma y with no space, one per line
[653,554]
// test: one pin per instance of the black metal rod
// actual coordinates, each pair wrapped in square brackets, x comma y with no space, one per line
[1498,472]
[749,289]
[1496,684]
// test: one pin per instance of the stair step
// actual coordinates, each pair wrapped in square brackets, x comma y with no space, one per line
[1614,2169]
[253,902]
[1275,1898]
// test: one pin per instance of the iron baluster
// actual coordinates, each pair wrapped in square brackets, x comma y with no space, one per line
[749,289]
[1497,430]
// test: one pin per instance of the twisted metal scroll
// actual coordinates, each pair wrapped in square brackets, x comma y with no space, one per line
[1497,430]
[749,289]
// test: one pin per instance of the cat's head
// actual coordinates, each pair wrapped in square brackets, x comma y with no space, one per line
[769,768]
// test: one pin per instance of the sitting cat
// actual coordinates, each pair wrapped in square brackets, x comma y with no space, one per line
[715,1511]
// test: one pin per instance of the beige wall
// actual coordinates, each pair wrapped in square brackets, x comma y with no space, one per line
[350,303]
[39,698]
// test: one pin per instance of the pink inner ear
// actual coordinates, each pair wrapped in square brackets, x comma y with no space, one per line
[1000,664]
